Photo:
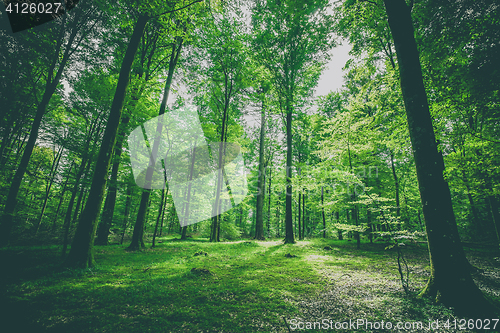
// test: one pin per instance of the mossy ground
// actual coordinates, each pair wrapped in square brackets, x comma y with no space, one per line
[250,286]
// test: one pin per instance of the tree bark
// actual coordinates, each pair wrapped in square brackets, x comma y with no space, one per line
[160,209]
[289,238]
[261,186]
[110,202]
[323,213]
[269,205]
[81,254]
[450,281]
[137,237]
[127,210]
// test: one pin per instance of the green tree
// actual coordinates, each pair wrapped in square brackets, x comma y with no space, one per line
[291,38]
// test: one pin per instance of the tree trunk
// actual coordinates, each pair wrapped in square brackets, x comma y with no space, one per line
[110,202]
[450,280]
[163,214]
[396,184]
[303,216]
[369,223]
[289,238]
[69,210]
[65,187]
[261,186]
[127,210]
[81,254]
[52,175]
[269,205]
[301,236]
[160,209]
[339,231]
[323,213]
[137,237]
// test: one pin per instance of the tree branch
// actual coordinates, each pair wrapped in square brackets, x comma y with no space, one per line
[174,10]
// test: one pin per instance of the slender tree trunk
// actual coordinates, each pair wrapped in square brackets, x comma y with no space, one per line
[81,254]
[450,280]
[396,184]
[303,216]
[300,217]
[323,213]
[110,202]
[160,210]
[65,187]
[339,231]
[85,165]
[369,223]
[261,186]
[126,213]
[137,237]
[289,238]
[163,214]
[67,224]
[52,175]
[269,205]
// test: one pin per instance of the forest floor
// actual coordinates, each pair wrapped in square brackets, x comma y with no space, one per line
[243,286]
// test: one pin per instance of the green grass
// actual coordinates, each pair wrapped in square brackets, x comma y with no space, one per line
[250,286]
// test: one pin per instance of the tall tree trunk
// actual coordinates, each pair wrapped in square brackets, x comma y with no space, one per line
[81,254]
[67,224]
[85,165]
[269,205]
[261,186]
[300,217]
[160,209]
[110,202]
[128,201]
[137,236]
[163,215]
[216,220]
[323,213]
[289,238]
[303,216]
[65,187]
[396,184]
[450,280]
[52,175]
[369,223]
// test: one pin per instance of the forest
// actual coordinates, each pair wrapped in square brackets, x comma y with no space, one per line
[169,166]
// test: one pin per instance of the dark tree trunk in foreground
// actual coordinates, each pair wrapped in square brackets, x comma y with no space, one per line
[110,202]
[81,250]
[261,186]
[137,237]
[450,281]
